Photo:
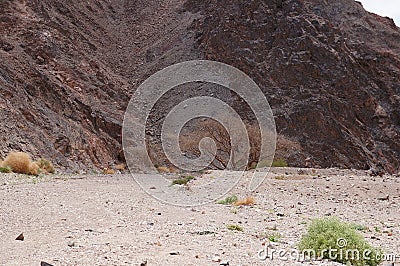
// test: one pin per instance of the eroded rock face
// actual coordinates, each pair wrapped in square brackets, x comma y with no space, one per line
[330,70]
[57,99]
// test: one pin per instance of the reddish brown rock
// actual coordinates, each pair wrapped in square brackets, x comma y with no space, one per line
[330,70]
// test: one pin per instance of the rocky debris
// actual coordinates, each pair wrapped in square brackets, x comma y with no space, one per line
[174,253]
[384,198]
[42,263]
[20,237]
[119,233]
[216,259]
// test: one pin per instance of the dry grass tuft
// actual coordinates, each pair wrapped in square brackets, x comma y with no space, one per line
[120,167]
[108,171]
[20,162]
[45,166]
[163,169]
[245,202]
[33,169]
[5,170]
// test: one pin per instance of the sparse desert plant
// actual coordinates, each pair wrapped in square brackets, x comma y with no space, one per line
[245,202]
[274,238]
[20,162]
[227,153]
[34,169]
[360,227]
[207,232]
[163,169]
[120,167]
[228,200]
[45,166]
[108,171]
[6,169]
[330,234]
[234,227]
[281,177]
[279,163]
[183,181]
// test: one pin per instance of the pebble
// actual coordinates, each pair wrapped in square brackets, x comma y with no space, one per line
[20,237]
[216,259]
[42,263]
[384,198]
[174,253]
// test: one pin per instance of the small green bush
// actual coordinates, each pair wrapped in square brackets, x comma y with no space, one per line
[6,169]
[360,227]
[182,181]
[274,238]
[228,200]
[279,163]
[45,166]
[234,227]
[347,245]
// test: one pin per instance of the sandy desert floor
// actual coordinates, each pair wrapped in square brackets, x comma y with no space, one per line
[109,220]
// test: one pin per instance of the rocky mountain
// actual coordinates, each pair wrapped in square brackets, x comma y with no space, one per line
[330,70]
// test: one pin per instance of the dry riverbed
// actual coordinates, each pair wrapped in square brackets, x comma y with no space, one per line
[109,220]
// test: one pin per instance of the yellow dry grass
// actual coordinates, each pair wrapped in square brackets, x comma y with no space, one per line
[45,166]
[120,167]
[108,171]
[163,169]
[245,202]
[33,169]
[20,162]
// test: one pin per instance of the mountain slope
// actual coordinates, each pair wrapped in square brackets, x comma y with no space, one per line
[330,70]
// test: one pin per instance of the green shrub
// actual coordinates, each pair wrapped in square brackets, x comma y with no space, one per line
[274,238]
[345,243]
[234,227]
[6,169]
[228,200]
[182,181]
[45,166]
[360,227]
[279,163]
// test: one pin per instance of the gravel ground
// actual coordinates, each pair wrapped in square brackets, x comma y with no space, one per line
[109,220]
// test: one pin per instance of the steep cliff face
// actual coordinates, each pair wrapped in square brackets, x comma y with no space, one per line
[330,70]
[68,69]
[58,99]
